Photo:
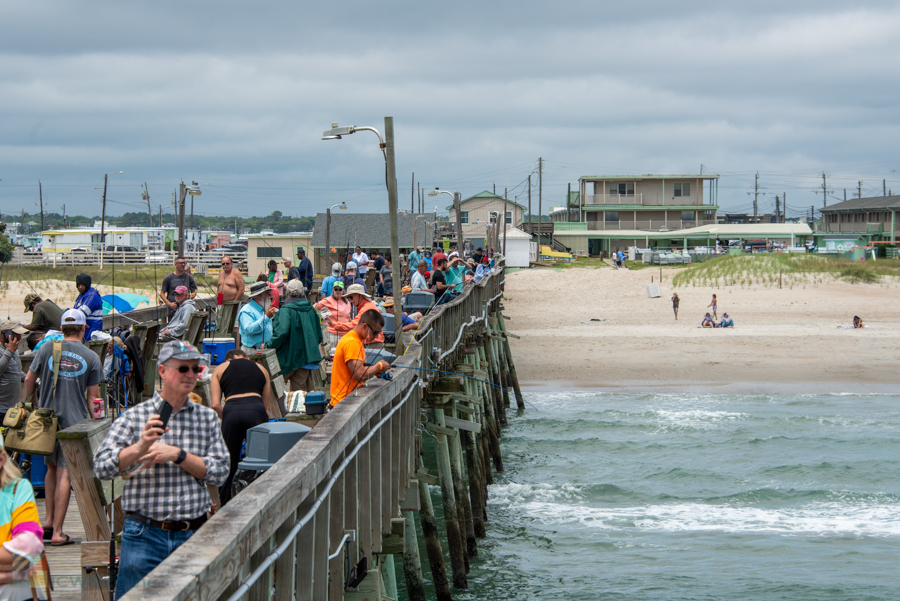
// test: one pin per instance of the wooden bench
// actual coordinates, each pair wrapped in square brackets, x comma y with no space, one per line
[79,444]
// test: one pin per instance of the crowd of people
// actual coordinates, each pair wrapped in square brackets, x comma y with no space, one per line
[169,449]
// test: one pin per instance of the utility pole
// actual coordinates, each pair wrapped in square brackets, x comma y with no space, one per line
[65,220]
[460,239]
[845,194]
[412,195]
[505,205]
[182,192]
[540,198]
[328,257]
[391,168]
[103,220]
[784,206]
[824,191]
[147,198]
[860,189]
[419,188]
[756,196]
[160,216]
[192,212]
[495,189]
[777,208]
[884,185]
[529,204]
[41,196]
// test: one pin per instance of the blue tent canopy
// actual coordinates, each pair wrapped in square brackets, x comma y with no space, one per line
[123,302]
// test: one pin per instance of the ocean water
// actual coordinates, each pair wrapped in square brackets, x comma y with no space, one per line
[695,497]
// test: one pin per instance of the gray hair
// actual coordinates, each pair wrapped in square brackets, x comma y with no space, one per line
[422,262]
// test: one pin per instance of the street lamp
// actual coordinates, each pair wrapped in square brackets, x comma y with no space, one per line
[103,215]
[341,206]
[386,144]
[460,244]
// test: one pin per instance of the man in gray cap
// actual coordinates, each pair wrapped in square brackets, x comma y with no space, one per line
[255,319]
[170,465]
[328,282]
[10,364]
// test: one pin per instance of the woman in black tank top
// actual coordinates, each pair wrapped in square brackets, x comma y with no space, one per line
[241,395]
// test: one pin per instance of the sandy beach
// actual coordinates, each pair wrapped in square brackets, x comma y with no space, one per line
[787,337]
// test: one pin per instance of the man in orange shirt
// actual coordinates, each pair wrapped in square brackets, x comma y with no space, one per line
[356,296]
[349,370]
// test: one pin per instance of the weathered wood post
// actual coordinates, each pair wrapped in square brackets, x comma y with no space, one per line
[433,544]
[520,401]
[451,516]
[412,567]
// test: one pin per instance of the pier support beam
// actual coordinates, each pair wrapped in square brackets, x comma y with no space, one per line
[433,545]
[520,401]
[412,566]
[455,542]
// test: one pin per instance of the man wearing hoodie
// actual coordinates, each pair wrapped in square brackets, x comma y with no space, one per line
[186,306]
[89,303]
[296,335]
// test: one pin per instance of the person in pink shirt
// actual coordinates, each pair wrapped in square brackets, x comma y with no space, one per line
[339,310]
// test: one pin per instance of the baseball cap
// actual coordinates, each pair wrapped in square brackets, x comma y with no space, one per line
[8,324]
[73,317]
[295,285]
[338,284]
[351,265]
[178,349]
[181,290]
[30,298]
[336,269]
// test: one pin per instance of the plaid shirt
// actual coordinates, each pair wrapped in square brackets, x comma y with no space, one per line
[165,491]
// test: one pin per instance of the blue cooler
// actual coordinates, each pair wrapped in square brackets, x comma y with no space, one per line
[37,473]
[216,349]
[315,403]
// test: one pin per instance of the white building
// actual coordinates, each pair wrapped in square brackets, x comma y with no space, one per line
[518,248]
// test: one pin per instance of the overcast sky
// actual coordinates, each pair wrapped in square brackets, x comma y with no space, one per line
[235,96]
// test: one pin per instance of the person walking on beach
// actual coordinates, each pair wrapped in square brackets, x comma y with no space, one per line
[715,305]
[675,302]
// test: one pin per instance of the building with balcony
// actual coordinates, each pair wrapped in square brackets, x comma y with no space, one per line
[646,202]
[874,217]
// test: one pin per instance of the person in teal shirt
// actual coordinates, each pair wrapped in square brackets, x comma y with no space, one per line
[255,318]
[414,257]
[328,282]
[456,273]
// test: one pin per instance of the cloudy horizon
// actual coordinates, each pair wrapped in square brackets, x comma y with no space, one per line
[236,97]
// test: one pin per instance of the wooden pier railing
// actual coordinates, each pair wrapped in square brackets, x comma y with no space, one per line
[352,488]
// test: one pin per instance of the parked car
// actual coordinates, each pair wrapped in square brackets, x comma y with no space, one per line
[121,254]
[159,257]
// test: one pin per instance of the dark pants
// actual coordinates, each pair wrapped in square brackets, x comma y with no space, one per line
[143,548]
[238,416]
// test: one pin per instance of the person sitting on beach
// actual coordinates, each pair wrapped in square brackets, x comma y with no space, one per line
[708,322]
[726,322]
[857,322]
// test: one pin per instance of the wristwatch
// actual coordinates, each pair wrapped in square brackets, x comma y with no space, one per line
[182,455]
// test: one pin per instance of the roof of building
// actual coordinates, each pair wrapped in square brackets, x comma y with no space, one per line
[652,176]
[515,233]
[287,235]
[488,196]
[877,203]
[744,230]
[372,230]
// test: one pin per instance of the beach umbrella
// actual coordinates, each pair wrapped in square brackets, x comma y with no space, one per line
[122,302]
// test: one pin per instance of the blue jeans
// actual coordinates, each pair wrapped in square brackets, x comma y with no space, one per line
[143,548]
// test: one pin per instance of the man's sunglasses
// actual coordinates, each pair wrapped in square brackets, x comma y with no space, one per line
[225,264]
[183,369]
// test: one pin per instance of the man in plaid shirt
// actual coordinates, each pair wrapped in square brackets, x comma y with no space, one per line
[165,497]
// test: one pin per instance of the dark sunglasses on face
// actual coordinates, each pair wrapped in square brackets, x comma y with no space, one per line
[225,264]
[183,369]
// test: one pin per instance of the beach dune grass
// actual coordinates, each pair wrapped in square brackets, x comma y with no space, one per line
[789,268]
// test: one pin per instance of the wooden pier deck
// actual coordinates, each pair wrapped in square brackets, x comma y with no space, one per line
[65,562]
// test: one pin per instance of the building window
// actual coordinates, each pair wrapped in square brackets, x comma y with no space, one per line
[623,189]
[509,218]
[688,216]
[682,189]
[464,217]
[266,252]
[612,216]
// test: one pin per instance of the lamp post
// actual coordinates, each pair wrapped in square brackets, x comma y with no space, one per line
[193,190]
[390,175]
[460,244]
[343,207]
[103,216]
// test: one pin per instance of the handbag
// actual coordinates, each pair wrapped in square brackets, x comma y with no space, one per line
[37,433]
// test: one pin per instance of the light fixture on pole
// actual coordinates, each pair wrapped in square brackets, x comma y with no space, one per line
[103,215]
[460,244]
[386,144]
[343,207]
[193,190]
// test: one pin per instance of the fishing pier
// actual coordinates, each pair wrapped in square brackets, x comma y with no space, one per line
[345,501]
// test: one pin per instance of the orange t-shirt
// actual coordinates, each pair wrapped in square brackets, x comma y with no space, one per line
[350,348]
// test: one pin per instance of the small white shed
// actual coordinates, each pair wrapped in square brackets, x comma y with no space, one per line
[518,247]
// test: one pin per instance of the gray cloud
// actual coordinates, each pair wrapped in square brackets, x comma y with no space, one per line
[236,96]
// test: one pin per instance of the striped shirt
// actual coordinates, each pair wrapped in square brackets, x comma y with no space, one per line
[165,491]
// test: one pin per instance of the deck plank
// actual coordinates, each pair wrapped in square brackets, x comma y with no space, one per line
[65,562]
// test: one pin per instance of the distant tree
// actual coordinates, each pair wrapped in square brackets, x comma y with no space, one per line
[6,249]
[276,215]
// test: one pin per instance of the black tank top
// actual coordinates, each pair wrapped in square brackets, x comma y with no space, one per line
[240,377]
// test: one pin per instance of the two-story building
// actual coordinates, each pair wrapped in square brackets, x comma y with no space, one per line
[484,209]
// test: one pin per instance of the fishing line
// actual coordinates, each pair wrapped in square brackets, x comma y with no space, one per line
[452,373]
